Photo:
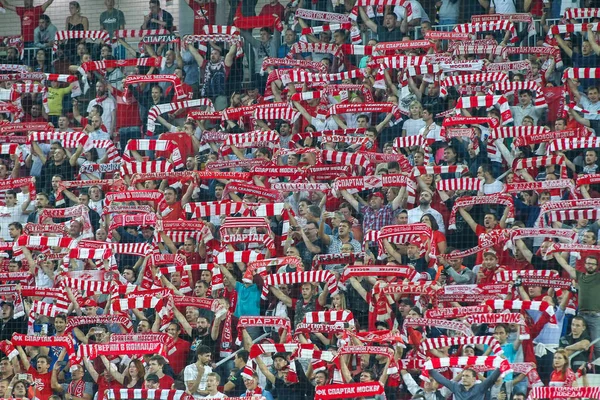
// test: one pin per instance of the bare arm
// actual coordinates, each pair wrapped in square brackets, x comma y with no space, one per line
[48,3]
[565,265]
[8,6]
[467,217]
[350,199]
[368,22]
[285,299]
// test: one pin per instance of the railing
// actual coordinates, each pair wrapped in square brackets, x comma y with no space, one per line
[229,357]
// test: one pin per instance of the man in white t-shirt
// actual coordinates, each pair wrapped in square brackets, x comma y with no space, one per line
[490,184]
[108,104]
[590,103]
[11,212]
[431,130]
[500,6]
[196,375]
[212,383]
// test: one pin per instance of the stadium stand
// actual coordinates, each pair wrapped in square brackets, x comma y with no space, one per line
[358,199]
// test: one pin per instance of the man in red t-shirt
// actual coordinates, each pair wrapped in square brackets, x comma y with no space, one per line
[155,367]
[273,7]
[30,16]
[490,222]
[173,209]
[178,353]
[42,385]
[204,14]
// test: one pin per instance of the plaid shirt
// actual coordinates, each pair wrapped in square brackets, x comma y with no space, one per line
[375,220]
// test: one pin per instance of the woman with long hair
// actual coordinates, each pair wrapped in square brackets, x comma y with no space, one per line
[413,125]
[132,377]
[75,22]
[438,242]
[563,375]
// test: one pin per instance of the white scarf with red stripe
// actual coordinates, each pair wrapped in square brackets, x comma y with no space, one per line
[250,139]
[488,102]
[463,79]
[159,109]
[495,362]
[497,198]
[289,278]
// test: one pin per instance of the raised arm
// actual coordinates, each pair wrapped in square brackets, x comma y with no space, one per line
[285,299]
[350,199]
[467,217]
[8,6]
[565,265]
[368,22]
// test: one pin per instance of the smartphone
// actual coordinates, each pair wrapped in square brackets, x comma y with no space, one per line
[24,377]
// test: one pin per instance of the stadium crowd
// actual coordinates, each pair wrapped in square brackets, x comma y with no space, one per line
[363,199]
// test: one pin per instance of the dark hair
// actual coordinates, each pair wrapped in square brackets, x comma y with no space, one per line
[268,30]
[44,17]
[17,225]
[159,359]
[363,116]
[244,355]
[315,210]
[202,349]
[99,109]
[61,316]
[526,91]
[48,359]
[434,225]
[157,2]
[579,318]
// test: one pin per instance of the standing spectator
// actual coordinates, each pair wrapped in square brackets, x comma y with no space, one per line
[44,34]
[158,18]
[499,6]
[11,212]
[273,7]
[376,215]
[525,108]
[29,15]
[204,13]
[589,306]
[112,19]
[216,71]
[178,353]
[196,375]
[578,341]
[449,11]
[75,22]
[267,46]
[56,94]
[109,107]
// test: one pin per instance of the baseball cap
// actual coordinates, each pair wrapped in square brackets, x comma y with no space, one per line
[407,301]
[7,303]
[378,194]
[152,378]
[490,251]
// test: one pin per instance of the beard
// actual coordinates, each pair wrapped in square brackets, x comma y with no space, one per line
[202,331]
[424,203]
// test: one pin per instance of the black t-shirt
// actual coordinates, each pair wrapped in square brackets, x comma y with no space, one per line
[238,381]
[50,169]
[582,357]
[386,35]
[197,340]
[295,391]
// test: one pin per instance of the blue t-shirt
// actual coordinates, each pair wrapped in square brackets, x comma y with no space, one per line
[248,301]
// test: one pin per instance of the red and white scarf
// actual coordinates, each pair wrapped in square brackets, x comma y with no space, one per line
[288,62]
[463,79]
[495,362]
[140,79]
[65,35]
[159,109]
[488,102]
[454,312]
[378,270]
[260,321]
[497,198]
[504,25]
[145,167]
[590,392]
[210,208]
[154,145]
[250,139]
[289,278]
[252,190]
[150,394]
[436,343]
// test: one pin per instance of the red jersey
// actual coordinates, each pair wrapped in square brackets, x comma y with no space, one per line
[43,386]
[172,212]
[204,14]
[104,385]
[128,112]
[182,140]
[177,355]
[30,18]
[276,9]
[166,382]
